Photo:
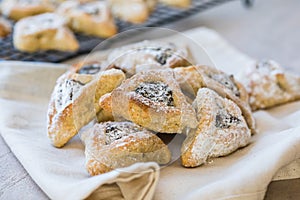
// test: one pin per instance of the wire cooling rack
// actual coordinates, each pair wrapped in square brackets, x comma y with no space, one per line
[161,16]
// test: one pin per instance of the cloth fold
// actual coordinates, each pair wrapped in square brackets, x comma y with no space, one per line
[25,90]
[59,172]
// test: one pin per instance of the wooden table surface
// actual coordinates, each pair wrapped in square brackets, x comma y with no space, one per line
[271,29]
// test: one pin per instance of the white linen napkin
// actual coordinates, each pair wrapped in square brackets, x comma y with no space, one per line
[245,174]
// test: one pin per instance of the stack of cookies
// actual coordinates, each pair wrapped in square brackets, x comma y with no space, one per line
[142,91]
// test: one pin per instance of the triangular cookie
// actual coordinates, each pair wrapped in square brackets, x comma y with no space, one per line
[44,32]
[268,85]
[112,145]
[221,130]
[194,77]
[18,9]
[91,18]
[153,100]
[74,102]
[148,55]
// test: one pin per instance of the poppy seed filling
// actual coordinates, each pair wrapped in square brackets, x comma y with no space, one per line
[227,81]
[162,54]
[157,92]
[67,90]
[162,57]
[226,120]
[115,132]
[90,69]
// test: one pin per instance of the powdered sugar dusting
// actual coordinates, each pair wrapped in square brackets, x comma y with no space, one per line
[42,22]
[225,120]
[115,131]
[133,147]
[65,92]
[157,92]
[268,85]
[222,128]
[141,56]
[98,10]
[227,81]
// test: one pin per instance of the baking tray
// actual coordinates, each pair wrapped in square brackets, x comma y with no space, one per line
[161,16]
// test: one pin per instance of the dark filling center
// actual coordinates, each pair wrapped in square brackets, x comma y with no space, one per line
[228,82]
[73,85]
[162,53]
[162,57]
[90,69]
[157,92]
[115,131]
[67,90]
[226,120]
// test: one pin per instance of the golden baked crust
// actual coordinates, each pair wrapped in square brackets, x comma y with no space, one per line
[112,145]
[87,68]
[18,9]
[134,11]
[5,27]
[91,18]
[153,100]
[223,82]
[190,80]
[177,3]
[157,96]
[148,55]
[268,85]
[105,113]
[194,77]
[227,86]
[74,102]
[43,32]
[221,130]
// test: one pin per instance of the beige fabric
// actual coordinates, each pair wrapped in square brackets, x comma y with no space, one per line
[24,94]
[290,171]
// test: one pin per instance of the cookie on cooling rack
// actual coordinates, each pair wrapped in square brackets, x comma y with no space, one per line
[221,130]
[5,27]
[46,31]
[134,11]
[177,3]
[91,18]
[268,85]
[112,145]
[18,9]
[148,55]
[153,100]
[74,102]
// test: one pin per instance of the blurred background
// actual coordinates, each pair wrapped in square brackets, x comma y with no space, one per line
[268,29]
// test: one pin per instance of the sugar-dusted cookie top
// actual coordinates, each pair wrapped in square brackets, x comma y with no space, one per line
[147,55]
[268,85]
